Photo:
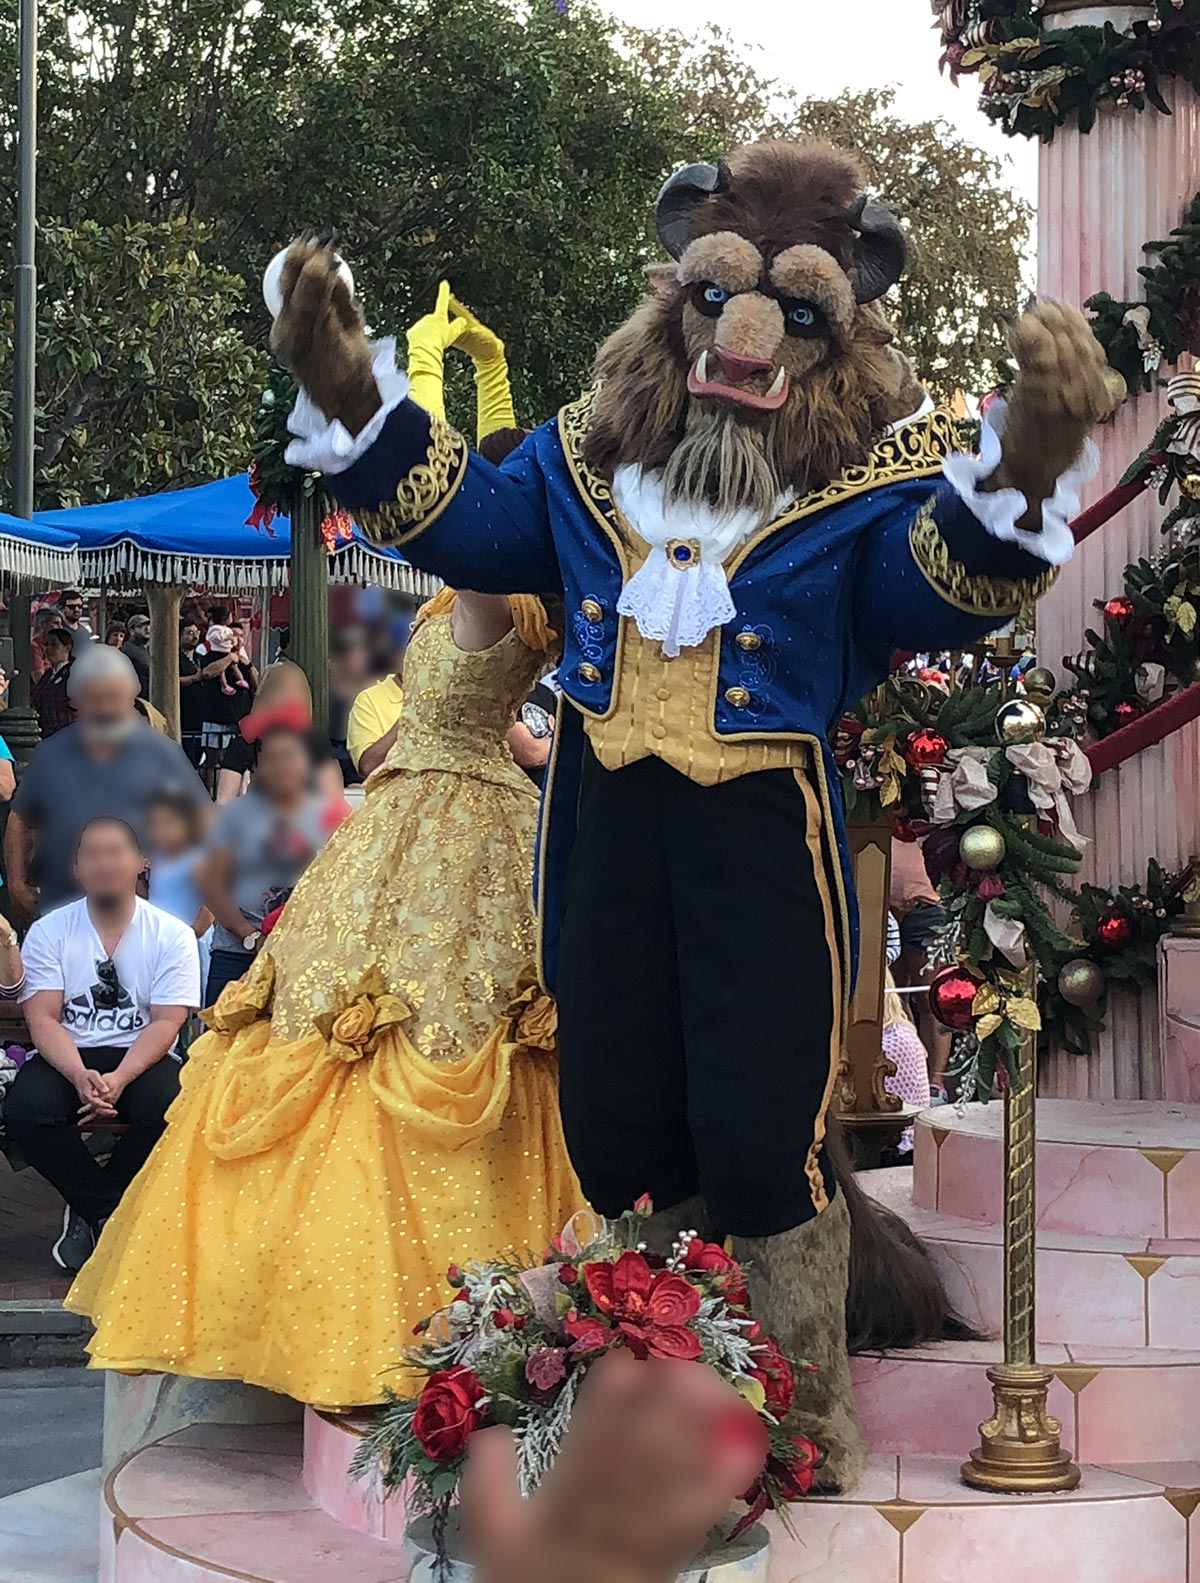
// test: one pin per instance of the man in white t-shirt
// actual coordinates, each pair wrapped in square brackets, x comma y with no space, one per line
[109,980]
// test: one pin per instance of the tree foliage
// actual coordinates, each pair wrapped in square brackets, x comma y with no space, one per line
[514,147]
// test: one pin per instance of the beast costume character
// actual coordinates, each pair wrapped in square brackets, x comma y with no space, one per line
[750,511]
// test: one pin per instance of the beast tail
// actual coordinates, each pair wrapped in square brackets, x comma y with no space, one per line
[896,1297]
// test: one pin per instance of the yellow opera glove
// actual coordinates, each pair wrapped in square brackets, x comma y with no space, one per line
[493,393]
[428,340]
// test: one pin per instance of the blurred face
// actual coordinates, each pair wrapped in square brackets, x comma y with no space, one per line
[57,652]
[108,864]
[189,637]
[105,707]
[168,830]
[72,609]
[283,769]
[141,632]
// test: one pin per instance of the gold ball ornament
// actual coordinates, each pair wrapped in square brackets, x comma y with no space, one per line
[1020,720]
[1189,485]
[1041,681]
[1080,982]
[981,847]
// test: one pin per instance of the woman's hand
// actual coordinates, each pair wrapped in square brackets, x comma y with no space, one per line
[479,343]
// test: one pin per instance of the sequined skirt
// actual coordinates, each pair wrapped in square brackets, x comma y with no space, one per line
[333,1152]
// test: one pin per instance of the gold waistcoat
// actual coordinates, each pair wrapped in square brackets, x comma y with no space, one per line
[663,708]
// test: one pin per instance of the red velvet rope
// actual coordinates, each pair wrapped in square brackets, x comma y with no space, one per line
[1152,727]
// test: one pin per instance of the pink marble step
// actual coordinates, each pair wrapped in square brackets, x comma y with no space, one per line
[1139,1404]
[1113,1167]
[330,1445]
[213,1503]
[1093,1291]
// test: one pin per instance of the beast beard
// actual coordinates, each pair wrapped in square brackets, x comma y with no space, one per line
[727,460]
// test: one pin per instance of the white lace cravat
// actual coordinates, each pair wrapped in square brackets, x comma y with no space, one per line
[680,592]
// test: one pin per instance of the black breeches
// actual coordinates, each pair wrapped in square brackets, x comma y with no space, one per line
[700,994]
[41,1114]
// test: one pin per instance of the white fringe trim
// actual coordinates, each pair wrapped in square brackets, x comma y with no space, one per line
[38,563]
[127,566]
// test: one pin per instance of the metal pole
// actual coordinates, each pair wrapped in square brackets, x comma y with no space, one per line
[309,580]
[18,723]
[1019,1450]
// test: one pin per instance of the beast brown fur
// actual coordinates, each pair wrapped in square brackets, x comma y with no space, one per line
[797,1284]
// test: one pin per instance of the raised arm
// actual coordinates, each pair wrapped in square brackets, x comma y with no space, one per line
[404,474]
[992,536]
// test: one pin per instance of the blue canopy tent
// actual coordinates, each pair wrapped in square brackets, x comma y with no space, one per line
[199,536]
[36,554]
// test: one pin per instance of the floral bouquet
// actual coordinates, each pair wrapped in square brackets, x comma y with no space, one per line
[514,1344]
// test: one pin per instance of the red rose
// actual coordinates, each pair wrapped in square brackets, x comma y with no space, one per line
[795,1476]
[568,1274]
[644,1205]
[712,1258]
[774,1373]
[448,1412]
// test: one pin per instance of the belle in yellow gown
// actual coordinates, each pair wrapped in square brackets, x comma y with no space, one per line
[377,1097]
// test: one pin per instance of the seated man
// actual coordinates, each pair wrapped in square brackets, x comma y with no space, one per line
[109,980]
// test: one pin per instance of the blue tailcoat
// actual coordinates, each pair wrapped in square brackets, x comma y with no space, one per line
[885,557]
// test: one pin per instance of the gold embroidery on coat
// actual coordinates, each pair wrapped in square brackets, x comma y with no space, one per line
[976,593]
[423,493]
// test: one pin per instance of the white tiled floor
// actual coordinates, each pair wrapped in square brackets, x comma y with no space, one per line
[49,1534]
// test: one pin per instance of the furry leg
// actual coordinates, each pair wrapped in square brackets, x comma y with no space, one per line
[798,1283]
[664,1225]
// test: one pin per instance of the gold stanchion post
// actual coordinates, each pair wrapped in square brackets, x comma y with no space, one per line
[1019,1450]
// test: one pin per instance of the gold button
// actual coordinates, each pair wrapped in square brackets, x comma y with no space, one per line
[737,696]
[748,641]
[658,731]
[589,672]
[663,694]
[592,610]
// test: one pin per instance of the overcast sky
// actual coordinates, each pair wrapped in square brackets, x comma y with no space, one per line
[821,46]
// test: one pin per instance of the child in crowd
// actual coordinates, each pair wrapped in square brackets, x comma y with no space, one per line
[175,839]
[902,1045]
[221,638]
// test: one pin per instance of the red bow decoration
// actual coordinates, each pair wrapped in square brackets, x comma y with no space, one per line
[290,715]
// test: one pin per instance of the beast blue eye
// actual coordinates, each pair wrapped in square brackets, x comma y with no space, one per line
[801,318]
[710,298]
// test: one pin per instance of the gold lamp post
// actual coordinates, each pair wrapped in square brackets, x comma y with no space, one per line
[1019,1450]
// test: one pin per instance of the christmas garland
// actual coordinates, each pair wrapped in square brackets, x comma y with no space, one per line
[1035,78]
[1140,336]
[277,486]
[956,770]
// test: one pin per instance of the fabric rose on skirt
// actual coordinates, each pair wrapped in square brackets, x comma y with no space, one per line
[245,1000]
[533,1016]
[354,1030]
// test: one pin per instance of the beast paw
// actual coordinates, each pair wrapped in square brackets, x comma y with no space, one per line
[1064,387]
[319,334]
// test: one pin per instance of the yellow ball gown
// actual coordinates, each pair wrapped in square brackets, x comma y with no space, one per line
[377,1097]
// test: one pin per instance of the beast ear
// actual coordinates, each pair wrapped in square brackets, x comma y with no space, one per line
[663,280]
[880,253]
[680,194]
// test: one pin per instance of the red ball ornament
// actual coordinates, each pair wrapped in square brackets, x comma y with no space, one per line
[926,747]
[1120,610]
[952,997]
[1124,713]
[1115,928]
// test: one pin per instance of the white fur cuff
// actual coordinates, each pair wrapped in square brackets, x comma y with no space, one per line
[322,446]
[1000,511]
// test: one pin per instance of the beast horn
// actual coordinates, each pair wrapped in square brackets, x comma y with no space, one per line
[880,252]
[689,186]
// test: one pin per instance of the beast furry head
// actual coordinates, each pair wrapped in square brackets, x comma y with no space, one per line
[759,365]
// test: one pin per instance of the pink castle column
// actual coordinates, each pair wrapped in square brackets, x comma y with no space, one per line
[1101,197]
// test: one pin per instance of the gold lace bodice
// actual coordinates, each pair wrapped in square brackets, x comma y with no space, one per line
[458,706]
